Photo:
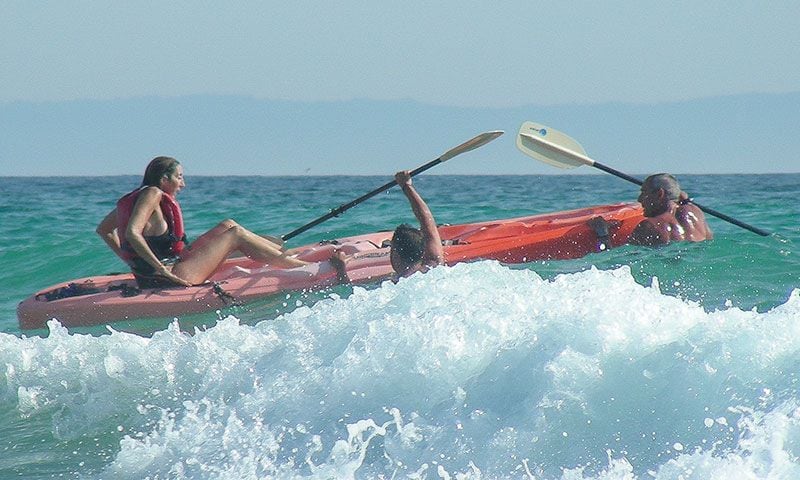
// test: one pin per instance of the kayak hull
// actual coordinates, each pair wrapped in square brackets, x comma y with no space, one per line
[552,236]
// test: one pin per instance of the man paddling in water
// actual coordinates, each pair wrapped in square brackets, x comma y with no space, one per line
[415,249]
[411,249]
[670,216]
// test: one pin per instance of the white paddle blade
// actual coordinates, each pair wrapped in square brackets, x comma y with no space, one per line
[471,144]
[551,146]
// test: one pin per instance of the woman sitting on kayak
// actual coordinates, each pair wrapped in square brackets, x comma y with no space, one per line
[146,231]
[415,249]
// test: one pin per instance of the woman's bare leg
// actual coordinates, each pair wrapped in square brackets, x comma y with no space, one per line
[214,246]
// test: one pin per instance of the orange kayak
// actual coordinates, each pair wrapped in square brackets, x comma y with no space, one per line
[112,298]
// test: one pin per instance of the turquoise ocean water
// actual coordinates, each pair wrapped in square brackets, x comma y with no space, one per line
[673,363]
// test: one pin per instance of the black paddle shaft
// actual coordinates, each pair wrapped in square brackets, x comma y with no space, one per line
[347,206]
[619,174]
[707,210]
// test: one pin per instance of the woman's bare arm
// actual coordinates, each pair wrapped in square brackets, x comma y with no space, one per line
[107,229]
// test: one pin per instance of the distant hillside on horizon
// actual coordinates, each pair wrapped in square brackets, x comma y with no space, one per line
[232,135]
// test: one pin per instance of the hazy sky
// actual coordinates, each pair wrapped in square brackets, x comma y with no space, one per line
[92,88]
[465,53]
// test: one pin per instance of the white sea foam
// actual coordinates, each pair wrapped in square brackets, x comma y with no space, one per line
[474,371]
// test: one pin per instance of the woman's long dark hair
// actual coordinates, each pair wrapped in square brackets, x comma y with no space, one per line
[157,169]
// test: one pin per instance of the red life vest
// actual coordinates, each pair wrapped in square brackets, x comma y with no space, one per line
[172,214]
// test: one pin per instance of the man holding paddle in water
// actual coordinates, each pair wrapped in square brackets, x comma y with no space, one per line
[415,249]
[411,249]
[670,216]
